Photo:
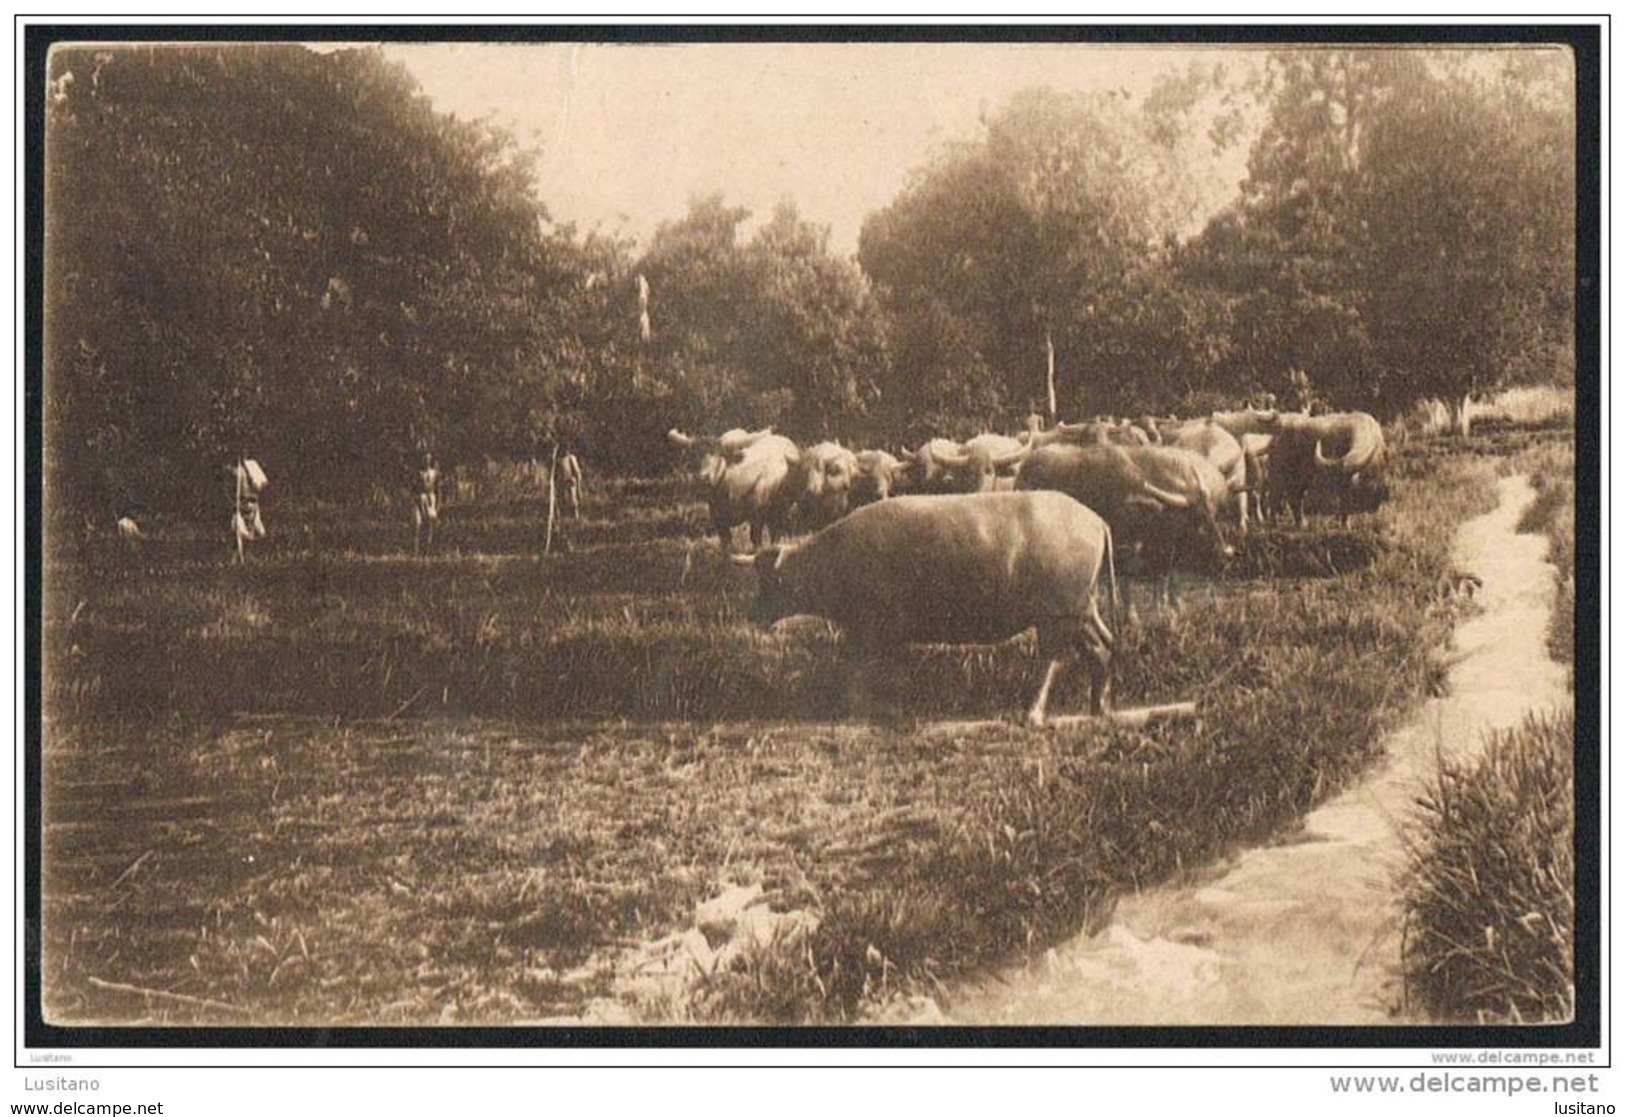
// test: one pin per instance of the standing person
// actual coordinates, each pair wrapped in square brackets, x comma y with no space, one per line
[425,504]
[129,531]
[246,522]
[570,479]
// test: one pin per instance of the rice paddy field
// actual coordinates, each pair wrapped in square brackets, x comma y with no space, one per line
[341,786]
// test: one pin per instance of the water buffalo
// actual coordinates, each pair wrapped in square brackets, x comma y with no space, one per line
[958,569]
[1213,441]
[1163,499]
[925,469]
[981,463]
[752,478]
[830,470]
[1151,427]
[1337,458]
[879,476]
[1076,434]
[1128,433]
[1255,429]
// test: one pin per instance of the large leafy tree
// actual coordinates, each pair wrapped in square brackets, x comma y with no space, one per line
[288,254]
[769,329]
[936,381]
[1405,228]
[1465,205]
[1286,251]
[817,327]
[1040,240]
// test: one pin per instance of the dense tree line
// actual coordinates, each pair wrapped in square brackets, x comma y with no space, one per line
[271,251]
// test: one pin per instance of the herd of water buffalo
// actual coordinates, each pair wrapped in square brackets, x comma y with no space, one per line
[977,541]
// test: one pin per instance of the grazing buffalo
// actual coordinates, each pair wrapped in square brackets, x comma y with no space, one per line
[879,476]
[751,478]
[1127,433]
[830,470]
[1255,429]
[1151,427]
[976,467]
[1075,434]
[1163,499]
[957,569]
[1336,458]
[1106,430]
[924,469]
[1214,442]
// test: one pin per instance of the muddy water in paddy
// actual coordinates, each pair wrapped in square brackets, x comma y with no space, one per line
[1307,931]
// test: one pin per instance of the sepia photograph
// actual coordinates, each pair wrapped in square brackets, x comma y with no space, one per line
[927,536]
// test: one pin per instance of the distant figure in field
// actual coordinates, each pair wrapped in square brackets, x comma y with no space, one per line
[246,522]
[129,533]
[569,482]
[425,505]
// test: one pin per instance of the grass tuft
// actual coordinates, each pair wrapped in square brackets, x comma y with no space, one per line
[1489,890]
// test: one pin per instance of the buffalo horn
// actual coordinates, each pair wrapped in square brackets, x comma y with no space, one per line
[1013,457]
[1172,500]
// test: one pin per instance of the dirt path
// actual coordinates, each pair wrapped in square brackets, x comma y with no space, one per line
[1307,931]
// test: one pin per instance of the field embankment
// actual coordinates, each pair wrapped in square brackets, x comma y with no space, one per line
[354,848]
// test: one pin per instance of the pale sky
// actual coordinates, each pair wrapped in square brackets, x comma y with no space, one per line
[629,133]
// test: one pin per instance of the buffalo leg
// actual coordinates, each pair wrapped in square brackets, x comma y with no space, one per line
[1096,645]
[1035,715]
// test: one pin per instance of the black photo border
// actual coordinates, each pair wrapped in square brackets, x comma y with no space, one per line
[1585,1031]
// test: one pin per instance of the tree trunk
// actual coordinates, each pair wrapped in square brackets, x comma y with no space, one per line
[1464,415]
[1049,375]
